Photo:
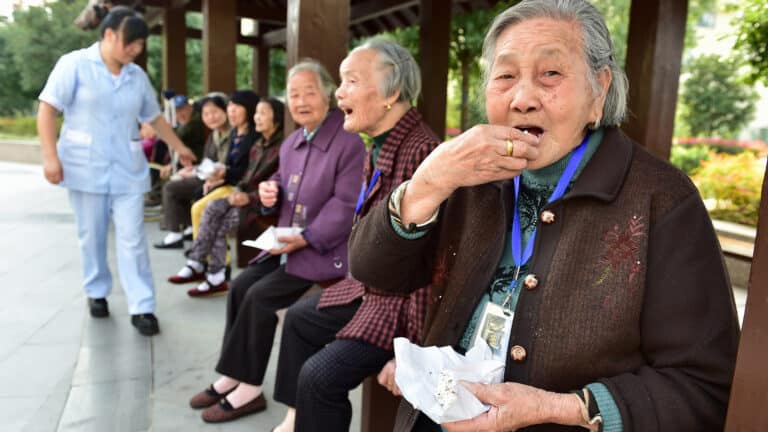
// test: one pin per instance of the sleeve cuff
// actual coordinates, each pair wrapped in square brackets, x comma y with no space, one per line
[403,233]
[608,408]
[307,234]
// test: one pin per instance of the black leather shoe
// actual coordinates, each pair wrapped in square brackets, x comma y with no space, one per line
[146,324]
[98,307]
[178,244]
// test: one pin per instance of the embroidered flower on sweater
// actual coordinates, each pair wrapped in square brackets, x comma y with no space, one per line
[622,246]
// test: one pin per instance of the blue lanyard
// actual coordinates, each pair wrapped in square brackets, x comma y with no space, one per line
[365,192]
[520,256]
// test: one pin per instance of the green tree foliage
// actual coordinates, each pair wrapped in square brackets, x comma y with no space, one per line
[39,35]
[13,99]
[752,38]
[714,100]
[30,44]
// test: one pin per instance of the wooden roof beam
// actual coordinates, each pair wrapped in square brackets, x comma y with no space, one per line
[371,9]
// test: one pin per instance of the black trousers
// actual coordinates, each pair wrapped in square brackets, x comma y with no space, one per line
[322,397]
[306,331]
[254,297]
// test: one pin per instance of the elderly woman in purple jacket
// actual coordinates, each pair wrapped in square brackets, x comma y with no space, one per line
[315,189]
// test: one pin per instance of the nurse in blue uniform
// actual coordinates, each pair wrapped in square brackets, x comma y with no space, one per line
[98,157]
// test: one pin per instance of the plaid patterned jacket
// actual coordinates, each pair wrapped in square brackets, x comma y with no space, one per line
[381,318]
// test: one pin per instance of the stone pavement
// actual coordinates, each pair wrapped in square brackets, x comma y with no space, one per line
[60,370]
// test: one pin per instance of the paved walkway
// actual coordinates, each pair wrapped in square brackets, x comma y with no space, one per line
[60,370]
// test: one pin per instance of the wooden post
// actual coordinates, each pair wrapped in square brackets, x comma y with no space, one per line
[749,394]
[260,70]
[175,49]
[434,39]
[318,29]
[220,33]
[654,54]
[379,407]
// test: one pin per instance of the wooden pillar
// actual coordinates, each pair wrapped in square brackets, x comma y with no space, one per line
[749,394]
[654,55]
[220,33]
[434,39]
[175,49]
[260,70]
[379,407]
[317,29]
[141,59]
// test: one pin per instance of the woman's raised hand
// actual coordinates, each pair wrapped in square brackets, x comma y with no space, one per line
[483,154]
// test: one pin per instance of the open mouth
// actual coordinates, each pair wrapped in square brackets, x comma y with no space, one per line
[533,130]
[346,111]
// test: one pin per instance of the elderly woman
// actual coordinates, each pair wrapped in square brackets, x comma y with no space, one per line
[207,257]
[600,259]
[379,80]
[179,194]
[315,189]
[232,154]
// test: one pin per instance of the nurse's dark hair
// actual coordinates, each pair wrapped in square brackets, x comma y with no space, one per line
[125,21]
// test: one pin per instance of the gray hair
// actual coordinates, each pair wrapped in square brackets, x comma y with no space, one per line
[324,80]
[401,72]
[596,40]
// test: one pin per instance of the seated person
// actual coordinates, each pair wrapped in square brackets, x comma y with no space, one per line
[207,257]
[599,259]
[180,193]
[332,367]
[315,189]
[240,112]
[192,132]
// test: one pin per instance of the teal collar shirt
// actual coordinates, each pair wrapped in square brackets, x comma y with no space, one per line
[99,145]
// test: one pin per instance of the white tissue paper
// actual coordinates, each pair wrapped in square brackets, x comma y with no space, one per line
[268,239]
[428,378]
[206,168]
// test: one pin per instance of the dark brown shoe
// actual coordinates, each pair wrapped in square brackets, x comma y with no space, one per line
[224,412]
[208,397]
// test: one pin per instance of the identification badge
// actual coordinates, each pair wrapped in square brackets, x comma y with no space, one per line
[293,186]
[299,219]
[495,328]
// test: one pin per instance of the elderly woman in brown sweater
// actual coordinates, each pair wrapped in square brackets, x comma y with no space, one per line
[600,259]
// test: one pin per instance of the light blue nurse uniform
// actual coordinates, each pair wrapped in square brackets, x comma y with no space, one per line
[105,169]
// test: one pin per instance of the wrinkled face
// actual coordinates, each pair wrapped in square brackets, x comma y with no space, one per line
[264,118]
[123,53]
[538,82]
[358,95]
[306,103]
[213,116]
[238,116]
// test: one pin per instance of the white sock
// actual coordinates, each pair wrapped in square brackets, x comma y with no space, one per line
[172,237]
[225,384]
[216,278]
[243,394]
[185,271]
[204,286]
[187,230]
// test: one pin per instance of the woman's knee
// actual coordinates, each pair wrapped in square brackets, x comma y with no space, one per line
[319,374]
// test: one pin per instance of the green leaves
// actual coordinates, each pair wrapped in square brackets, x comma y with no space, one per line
[714,99]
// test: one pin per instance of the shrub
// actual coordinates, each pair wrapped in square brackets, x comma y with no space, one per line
[25,126]
[734,183]
[688,158]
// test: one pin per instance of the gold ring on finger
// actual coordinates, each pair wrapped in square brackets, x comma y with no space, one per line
[510,148]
